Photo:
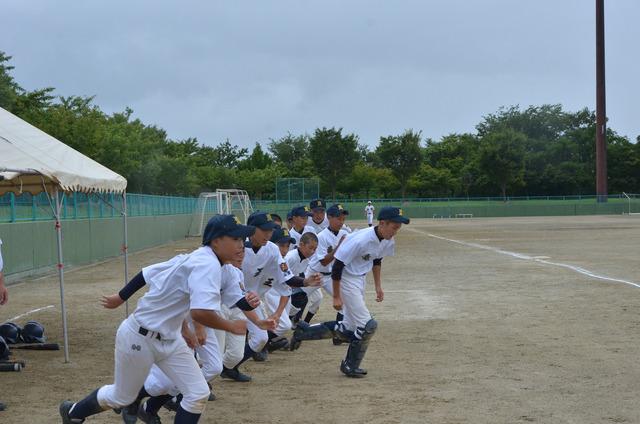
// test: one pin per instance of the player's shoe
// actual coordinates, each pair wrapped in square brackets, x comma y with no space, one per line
[260,356]
[2,406]
[65,407]
[211,397]
[352,372]
[146,417]
[130,413]
[277,343]
[234,374]
[337,341]
[173,403]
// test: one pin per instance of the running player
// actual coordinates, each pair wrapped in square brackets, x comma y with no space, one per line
[298,261]
[299,218]
[318,220]
[361,252]
[329,241]
[185,285]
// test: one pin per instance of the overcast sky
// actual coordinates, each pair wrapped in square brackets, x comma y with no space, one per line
[256,69]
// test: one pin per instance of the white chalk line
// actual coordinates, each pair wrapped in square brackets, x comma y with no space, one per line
[17,317]
[538,259]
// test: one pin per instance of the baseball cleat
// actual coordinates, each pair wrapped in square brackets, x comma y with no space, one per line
[146,417]
[65,407]
[277,344]
[234,374]
[260,356]
[352,372]
[212,397]
[130,413]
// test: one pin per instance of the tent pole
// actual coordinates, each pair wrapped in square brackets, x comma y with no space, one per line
[125,247]
[61,277]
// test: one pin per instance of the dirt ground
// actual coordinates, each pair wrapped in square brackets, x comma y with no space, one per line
[483,322]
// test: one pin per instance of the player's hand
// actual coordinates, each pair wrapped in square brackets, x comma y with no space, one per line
[190,338]
[314,280]
[201,334]
[4,295]
[238,327]
[267,324]
[337,302]
[252,299]
[111,302]
[379,295]
[275,317]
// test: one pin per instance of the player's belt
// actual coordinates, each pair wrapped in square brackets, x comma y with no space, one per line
[146,332]
[325,273]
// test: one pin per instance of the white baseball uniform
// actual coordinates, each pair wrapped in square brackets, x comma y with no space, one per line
[369,209]
[152,333]
[296,235]
[231,291]
[318,227]
[298,266]
[232,345]
[357,253]
[327,242]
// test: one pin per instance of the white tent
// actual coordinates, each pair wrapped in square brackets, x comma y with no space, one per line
[32,161]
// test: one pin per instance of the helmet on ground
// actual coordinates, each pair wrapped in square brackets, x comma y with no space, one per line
[33,332]
[4,350]
[11,332]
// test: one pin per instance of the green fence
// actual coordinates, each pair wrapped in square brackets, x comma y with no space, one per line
[485,206]
[88,206]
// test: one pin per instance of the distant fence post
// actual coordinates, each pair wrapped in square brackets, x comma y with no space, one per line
[12,207]
[34,210]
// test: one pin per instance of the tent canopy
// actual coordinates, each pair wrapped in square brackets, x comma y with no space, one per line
[31,160]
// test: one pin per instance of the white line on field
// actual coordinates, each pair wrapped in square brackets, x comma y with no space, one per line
[538,259]
[29,313]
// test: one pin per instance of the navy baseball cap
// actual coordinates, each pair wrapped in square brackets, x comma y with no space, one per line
[281,235]
[301,211]
[262,220]
[337,210]
[276,217]
[391,213]
[317,203]
[289,216]
[225,225]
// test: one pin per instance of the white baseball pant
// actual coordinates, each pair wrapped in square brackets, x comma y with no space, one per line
[134,356]
[271,300]
[232,345]
[354,309]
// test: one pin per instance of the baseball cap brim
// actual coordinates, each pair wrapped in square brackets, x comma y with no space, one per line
[242,231]
[400,219]
[289,240]
[267,226]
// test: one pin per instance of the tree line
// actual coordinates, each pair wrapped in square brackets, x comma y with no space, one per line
[538,150]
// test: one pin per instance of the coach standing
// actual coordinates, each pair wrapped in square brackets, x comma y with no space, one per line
[4,297]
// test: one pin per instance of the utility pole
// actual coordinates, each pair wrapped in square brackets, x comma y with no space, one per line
[601,115]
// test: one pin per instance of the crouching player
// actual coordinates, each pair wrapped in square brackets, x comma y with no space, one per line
[360,253]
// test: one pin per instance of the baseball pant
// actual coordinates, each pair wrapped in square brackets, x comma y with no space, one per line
[231,344]
[356,314]
[370,219]
[271,300]
[158,383]
[134,356]
[314,293]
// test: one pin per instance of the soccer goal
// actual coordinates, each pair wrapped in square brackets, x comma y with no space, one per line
[222,201]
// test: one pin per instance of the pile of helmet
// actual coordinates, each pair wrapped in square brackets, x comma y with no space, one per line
[11,333]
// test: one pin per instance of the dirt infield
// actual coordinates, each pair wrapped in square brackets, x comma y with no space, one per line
[485,321]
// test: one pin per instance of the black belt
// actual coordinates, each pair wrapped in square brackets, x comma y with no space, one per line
[144,332]
[325,273]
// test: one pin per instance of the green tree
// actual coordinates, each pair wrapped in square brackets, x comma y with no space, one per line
[291,152]
[501,158]
[9,88]
[333,155]
[402,155]
[258,159]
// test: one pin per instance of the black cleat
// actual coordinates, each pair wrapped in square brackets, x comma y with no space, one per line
[146,417]
[277,344]
[130,413]
[352,372]
[65,407]
[260,356]
[172,404]
[212,397]
[234,374]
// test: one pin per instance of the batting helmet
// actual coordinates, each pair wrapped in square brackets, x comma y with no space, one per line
[33,332]
[11,332]
[4,349]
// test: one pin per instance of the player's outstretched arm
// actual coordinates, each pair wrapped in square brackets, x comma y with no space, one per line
[264,324]
[211,319]
[188,335]
[377,279]
[336,276]
[284,300]
[115,300]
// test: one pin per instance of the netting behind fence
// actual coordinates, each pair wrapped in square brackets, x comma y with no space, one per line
[297,189]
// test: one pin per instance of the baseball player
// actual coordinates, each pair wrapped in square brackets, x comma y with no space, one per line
[298,261]
[187,285]
[368,211]
[4,297]
[264,269]
[318,220]
[205,342]
[299,218]
[360,253]
[329,241]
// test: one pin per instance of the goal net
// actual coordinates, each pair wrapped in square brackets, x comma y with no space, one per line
[222,201]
